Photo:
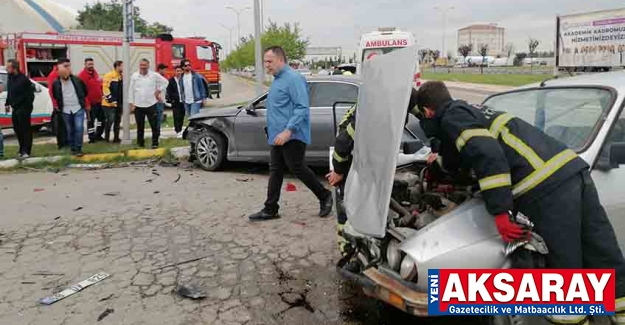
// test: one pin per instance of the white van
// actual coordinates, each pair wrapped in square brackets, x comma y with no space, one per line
[383,41]
[42,107]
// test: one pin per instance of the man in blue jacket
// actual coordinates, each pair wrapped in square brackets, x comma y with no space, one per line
[288,132]
[192,89]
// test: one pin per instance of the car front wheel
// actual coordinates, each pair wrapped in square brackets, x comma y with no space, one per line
[210,151]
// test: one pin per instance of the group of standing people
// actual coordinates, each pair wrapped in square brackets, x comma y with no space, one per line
[100,100]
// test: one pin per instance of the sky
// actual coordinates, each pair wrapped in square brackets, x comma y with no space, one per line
[340,23]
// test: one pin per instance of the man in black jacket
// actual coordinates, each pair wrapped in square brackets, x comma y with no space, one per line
[520,168]
[173,97]
[69,95]
[20,98]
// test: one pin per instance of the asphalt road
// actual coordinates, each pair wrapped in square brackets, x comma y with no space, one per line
[154,228]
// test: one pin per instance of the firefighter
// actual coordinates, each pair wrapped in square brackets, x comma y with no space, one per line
[519,168]
[342,161]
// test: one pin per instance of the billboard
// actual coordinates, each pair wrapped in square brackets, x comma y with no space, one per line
[595,39]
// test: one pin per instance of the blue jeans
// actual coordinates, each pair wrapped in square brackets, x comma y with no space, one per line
[192,109]
[75,127]
[160,107]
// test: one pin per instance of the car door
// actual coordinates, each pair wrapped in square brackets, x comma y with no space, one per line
[323,95]
[609,177]
[249,131]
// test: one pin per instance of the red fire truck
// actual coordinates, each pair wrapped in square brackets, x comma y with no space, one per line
[39,52]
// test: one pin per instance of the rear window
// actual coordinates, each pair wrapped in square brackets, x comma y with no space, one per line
[570,115]
[325,94]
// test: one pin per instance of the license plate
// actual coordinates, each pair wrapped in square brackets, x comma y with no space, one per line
[73,289]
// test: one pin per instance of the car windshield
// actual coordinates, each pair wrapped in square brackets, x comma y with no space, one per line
[570,115]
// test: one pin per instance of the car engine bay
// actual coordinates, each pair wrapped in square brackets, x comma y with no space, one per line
[421,194]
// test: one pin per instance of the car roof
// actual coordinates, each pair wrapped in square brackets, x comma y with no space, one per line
[349,79]
[614,79]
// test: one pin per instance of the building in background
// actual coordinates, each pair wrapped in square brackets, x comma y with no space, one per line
[35,16]
[320,53]
[479,34]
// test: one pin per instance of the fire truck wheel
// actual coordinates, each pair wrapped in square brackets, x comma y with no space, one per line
[210,151]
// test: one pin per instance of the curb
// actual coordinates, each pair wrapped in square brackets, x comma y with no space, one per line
[179,153]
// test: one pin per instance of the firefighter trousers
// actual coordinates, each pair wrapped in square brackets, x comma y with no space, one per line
[341,217]
[578,234]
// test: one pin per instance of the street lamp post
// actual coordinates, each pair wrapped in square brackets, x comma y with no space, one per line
[230,29]
[443,10]
[238,12]
[129,31]
[260,75]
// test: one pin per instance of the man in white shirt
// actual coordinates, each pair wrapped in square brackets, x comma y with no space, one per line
[144,93]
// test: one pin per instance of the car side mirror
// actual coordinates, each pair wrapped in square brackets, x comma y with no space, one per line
[250,110]
[616,157]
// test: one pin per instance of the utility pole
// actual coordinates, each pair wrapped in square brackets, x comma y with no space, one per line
[129,34]
[238,12]
[443,10]
[260,72]
[262,16]
[230,29]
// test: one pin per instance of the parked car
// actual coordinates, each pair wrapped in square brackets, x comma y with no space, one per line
[585,113]
[42,107]
[237,133]
[305,72]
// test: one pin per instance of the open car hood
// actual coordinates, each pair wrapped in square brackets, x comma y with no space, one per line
[380,118]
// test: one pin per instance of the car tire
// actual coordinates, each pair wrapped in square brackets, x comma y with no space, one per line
[210,151]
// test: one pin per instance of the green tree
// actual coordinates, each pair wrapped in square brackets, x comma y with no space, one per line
[108,16]
[289,36]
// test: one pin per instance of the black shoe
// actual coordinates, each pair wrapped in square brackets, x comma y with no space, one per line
[92,141]
[117,141]
[326,206]
[155,146]
[263,216]
[79,154]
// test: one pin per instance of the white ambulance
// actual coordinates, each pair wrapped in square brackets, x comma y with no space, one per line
[383,41]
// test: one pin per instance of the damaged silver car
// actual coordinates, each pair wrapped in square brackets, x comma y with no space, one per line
[400,225]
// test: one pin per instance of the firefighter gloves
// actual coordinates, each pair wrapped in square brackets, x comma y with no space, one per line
[509,230]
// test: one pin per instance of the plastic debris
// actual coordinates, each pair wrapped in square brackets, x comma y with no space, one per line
[39,190]
[181,263]
[78,208]
[190,291]
[107,298]
[290,187]
[244,180]
[73,289]
[112,194]
[178,179]
[105,313]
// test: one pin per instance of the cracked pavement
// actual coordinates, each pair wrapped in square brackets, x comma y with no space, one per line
[59,229]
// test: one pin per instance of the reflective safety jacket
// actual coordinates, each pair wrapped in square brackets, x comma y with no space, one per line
[344,144]
[513,161]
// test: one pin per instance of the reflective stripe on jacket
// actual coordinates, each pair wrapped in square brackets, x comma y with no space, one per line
[344,143]
[512,160]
